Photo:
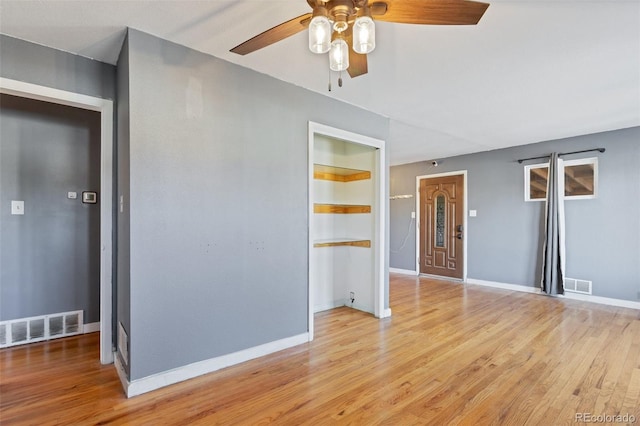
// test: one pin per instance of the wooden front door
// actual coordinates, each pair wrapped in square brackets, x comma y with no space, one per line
[441,226]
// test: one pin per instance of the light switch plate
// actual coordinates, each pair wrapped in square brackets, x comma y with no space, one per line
[473,213]
[89,197]
[17,207]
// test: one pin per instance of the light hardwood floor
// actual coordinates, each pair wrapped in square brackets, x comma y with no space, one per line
[451,354]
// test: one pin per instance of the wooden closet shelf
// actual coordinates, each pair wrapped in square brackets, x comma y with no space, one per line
[342,242]
[341,208]
[339,174]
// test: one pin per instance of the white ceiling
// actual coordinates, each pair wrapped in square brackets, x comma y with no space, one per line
[529,71]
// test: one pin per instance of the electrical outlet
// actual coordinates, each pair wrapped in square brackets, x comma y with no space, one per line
[352,295]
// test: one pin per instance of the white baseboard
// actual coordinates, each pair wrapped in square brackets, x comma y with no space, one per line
[166,378]
[332,305]
[386,313]
[403,271]
[91,327]
[443,278]
[359,307]
[343,302]
[602,300]
[122,374]
[568,295]
[495,284]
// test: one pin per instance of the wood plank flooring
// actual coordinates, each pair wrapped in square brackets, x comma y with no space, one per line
[451,354]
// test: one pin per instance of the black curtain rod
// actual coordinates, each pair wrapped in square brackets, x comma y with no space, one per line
[562,153]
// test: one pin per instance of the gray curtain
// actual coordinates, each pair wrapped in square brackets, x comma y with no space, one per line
[553,250]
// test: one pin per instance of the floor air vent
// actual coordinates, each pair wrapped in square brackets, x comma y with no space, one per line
[574,285]
[37,329]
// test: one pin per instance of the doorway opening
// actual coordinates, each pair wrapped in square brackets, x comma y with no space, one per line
[105,108]
[441,243]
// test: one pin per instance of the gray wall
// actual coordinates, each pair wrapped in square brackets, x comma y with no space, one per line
[33,63]
[36,64]
[218,203]
[603,234]
[50,256]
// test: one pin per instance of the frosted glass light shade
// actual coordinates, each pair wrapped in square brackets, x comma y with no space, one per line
[364,35]
[320,34]
[339,55]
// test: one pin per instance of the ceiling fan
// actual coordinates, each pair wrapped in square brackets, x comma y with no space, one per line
[345,28]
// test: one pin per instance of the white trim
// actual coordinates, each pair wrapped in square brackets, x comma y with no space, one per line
[180,374]
[122,375]
[328,306]
[345,135]
[105,108]
[527,180]
[403,271]
[464,217]
[504,286]
[49,94]
[386,313]
[571,296]
[382,254]
[443,278]
[580,162]
[358,307]
[311,265]
[379,208]
[602,300]
[561,174]
[91,327]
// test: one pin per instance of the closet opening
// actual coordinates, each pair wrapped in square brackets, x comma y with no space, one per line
[346,222]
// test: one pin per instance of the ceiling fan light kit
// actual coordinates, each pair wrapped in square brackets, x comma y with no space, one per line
[341,14]
[346,28]
[320,31]
[364,32]
[339,55]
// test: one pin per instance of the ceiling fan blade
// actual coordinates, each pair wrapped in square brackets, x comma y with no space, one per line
[429,12]
[273,35]
[357,64]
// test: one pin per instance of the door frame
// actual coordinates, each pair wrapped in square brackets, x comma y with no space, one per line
[464,219]
[380,179]
[105,108]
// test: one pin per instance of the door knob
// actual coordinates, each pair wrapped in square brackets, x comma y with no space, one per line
[459,236]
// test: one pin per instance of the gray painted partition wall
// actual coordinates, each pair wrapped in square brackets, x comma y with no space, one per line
[603,234]
[218,203]
[32,63]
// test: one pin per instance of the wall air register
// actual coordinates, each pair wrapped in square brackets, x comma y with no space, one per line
[37,329]
[575,285]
